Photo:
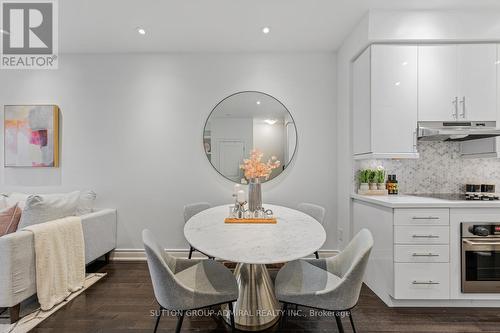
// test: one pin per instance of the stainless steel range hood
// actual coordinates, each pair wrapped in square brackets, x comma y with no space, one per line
[456,131]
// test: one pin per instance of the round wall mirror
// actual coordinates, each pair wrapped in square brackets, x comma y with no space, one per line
[247,121]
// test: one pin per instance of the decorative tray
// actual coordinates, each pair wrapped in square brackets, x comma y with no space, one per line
[373,192]
[250,221]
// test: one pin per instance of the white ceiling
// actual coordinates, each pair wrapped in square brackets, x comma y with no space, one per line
[109,26]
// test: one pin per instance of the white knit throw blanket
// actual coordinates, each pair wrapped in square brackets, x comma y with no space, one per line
[60,259]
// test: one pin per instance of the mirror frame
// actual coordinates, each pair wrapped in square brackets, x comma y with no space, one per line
[242,92]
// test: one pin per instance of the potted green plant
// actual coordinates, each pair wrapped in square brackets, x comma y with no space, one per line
[373,179]
[363,178]
[380,177]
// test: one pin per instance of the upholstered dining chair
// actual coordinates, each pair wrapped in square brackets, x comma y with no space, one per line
[190,211]
[183,284]
[331,284]
[316,212]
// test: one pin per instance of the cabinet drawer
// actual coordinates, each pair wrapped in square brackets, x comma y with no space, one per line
[421,235]
[421,281]
[421,253]
[437,216]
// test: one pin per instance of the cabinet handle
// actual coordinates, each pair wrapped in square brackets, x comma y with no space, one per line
[425,282]
[425,218]
[425,236]
[462,102]
[415,141]
[455,103]
[425,255]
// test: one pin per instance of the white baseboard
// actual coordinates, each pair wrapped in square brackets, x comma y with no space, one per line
[140,255]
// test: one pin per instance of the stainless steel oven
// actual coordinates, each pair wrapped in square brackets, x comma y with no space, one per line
[481,257]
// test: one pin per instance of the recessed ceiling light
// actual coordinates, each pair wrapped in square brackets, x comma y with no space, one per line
[405,63]
[271,121]
[397,83]
[4,32]
[497,62]
[266,30]
[141,31]
[258,102]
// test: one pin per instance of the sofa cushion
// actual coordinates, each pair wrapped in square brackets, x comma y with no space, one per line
[44,208]
[86,202]
[17,198]
[3,201]
[9,219]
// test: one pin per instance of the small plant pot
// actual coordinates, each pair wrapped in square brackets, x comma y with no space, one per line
[373,186]
[381,186]
[364,187]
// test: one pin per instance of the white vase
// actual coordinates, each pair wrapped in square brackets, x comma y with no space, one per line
[364,187]
[373,186]
[381,186]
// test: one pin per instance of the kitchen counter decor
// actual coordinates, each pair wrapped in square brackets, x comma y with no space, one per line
[371,181]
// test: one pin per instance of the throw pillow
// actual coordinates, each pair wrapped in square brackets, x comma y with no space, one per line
[9,219]
[3,201]
[44,208]
[86,203]
[17,198]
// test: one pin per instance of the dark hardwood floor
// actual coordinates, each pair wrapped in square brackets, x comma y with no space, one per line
[123,301]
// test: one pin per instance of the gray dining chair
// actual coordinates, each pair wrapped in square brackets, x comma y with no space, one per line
[183,284]
[190,211]
[316,212]
[331,284]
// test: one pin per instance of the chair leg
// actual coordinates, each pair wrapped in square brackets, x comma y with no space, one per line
[158,319]
[352,321]
[231,316]
[316,254]
[339,322]
[14,312]
[283,316]
[191,249]
[179,322]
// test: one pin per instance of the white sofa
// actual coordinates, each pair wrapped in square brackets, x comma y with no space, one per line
[17,257]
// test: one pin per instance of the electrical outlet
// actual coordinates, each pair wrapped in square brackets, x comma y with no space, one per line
[340,232]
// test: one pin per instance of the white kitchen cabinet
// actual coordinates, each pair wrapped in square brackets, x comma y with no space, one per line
[457,82]
[486,147]
[427,272]
[422,281]
[477,82]
[385,102]
[437,83]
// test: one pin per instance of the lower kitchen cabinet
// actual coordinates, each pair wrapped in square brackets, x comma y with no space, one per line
[421,281]
[416,256]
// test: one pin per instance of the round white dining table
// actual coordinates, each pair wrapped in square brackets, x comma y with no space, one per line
[252,246]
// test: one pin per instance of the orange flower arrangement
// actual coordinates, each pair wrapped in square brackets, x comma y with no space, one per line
[255,168]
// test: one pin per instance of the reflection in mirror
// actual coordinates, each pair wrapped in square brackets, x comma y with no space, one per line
[245,121]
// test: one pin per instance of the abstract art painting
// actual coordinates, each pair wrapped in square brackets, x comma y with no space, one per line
[31,137]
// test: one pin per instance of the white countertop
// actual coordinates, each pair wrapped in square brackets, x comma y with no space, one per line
[409,201]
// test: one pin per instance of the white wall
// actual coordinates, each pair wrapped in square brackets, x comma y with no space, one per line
[382,26]
[354,43]
[132,130]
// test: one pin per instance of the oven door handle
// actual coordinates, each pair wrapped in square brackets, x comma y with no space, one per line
[481,245]
[495,243]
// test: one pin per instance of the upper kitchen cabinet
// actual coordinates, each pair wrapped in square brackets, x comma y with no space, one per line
[385,102]
[457,82]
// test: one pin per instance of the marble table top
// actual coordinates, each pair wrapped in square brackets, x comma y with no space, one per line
[295,235]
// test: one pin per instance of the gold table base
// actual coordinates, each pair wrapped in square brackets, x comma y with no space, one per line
[257,307]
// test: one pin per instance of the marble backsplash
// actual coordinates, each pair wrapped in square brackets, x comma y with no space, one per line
[440,169]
